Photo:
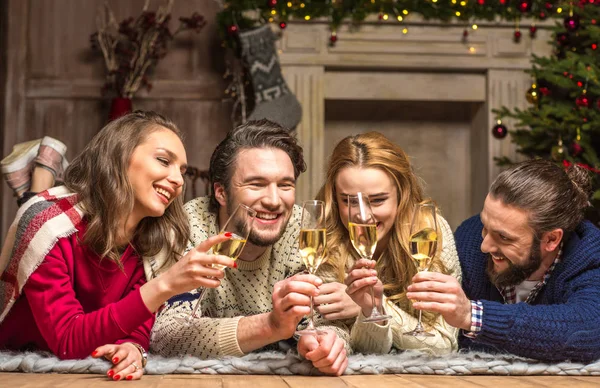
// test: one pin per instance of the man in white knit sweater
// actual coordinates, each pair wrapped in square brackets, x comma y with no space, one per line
[263,300]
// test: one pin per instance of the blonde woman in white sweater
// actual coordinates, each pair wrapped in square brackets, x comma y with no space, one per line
[372,164]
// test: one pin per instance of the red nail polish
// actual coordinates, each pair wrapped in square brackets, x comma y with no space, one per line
[117,378]
[130,377]
[115,360]
[94,353]
[110,373]
[234,264]
[227,234]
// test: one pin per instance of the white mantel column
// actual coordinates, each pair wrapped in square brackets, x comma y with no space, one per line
[307,83]
[505,88]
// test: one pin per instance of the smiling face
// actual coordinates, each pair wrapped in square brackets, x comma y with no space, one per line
[382,193]
[155,173]
[263,179]
[515,253]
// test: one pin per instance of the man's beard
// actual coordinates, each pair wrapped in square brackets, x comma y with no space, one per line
[254,238]
[515,273]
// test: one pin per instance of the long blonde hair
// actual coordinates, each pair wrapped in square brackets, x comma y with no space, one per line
[99,177]
[395,267]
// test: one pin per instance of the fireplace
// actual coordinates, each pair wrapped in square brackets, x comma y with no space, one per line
[428,91]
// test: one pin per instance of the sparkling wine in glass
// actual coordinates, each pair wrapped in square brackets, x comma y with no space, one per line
[239,225]
[362,227]
[313,240]
[423,246]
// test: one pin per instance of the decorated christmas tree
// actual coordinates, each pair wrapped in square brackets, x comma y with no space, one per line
[563,121]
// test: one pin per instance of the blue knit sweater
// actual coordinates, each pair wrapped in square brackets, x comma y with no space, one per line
[563,323]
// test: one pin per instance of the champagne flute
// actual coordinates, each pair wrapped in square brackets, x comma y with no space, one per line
[423,245]
[239,224]
[362,227]
[313,239]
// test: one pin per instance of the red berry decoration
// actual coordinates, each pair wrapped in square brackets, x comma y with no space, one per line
[572,23]
[272,3]
[481,2]
[549,6]
[232,30]
[543,15]
[545,91]
[282,25]
[380,16]
[583,101]
[594,46]
[563,38]
[499,131]
[333,38]
[532,31]
[524,6]
[504,2]
[576,149]
[517,36]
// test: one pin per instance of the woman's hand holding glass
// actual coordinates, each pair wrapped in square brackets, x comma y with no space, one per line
[235,232]
[334,303]
[361,279]
[362,227]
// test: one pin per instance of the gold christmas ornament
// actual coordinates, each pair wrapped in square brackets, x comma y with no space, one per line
[532,95]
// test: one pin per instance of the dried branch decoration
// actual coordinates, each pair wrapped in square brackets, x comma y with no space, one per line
[134,46]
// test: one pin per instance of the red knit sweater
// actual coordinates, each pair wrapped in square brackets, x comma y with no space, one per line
[75,302]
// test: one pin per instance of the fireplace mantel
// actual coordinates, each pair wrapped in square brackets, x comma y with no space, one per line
[431,62]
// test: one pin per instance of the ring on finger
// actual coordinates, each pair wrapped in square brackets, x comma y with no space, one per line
[135,366]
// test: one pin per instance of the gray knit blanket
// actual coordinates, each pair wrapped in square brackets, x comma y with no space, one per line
[279,363]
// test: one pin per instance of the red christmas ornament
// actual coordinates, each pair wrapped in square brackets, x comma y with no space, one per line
[572,23]
[594,46]
[465,34]
[524,6]
[504,2]
[566,73]
[517,36]
[380,16]
[562,38]
[282,25]
[532,31]
[333,38]
[272,3]
[232,29]
[481,2]
[582,101]
[545,91]
[543,15]
[499,131]
[579,83]
[576,149]
[549,6]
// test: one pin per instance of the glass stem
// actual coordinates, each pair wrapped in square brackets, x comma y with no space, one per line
[311,319]
[201,291]
[373,302]
[419,325]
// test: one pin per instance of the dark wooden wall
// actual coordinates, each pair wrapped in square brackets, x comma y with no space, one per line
[51,80]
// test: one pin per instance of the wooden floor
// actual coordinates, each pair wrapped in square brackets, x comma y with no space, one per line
[234,381]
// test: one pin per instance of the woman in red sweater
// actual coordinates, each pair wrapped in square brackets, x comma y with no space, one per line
[74,261]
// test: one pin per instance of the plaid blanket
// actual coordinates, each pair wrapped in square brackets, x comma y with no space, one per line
[39,223]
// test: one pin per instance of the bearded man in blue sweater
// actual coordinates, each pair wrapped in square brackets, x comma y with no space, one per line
[531,269]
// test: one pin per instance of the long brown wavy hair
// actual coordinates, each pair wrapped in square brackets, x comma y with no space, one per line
[395,267]
[98,175]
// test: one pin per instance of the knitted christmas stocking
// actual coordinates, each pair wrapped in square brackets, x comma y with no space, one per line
[272,97]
